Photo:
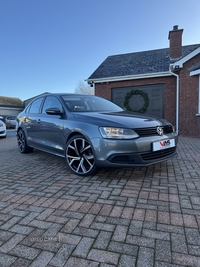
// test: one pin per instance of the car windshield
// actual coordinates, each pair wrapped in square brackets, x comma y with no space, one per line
[89,103]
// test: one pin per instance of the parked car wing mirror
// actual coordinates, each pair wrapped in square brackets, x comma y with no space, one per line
[54,111]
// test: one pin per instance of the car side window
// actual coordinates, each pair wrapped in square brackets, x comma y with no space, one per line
[51,102]
[35,106]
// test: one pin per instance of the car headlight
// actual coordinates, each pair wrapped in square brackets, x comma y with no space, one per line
[117,133]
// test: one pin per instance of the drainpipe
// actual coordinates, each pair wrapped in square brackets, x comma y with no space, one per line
[177,100]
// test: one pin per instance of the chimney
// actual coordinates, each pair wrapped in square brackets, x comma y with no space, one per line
[175,43]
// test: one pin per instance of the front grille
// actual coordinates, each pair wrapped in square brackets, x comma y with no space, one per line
[153,130]
[158,154]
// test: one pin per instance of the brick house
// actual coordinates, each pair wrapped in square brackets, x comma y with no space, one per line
[169,79]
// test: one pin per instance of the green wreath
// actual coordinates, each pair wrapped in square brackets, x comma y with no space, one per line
[137,92]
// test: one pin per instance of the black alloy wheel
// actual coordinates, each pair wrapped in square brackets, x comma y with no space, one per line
[22,143]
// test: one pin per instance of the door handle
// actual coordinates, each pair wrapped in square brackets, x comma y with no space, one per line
[38,120]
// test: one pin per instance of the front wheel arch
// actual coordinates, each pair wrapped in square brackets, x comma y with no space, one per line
[79,155]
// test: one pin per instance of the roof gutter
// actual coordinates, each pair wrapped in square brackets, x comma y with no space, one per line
[177,100]
[129,77]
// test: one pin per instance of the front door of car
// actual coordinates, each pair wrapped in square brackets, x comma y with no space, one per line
[50,126]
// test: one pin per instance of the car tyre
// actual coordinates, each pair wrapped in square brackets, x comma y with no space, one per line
[80,157]
[22,143]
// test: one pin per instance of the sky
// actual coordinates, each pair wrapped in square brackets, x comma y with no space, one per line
[52,45]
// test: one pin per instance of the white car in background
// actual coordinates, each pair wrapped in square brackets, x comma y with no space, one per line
[2,128]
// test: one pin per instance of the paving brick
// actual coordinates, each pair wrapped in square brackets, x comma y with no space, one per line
[135,228]
[127,213]
[185,260]
[76,262]
[20,229]
[85,207]
[73,215]
[156,234]
[151,216]
[11,243]
[103,240]
[192,236]
[176,219]
[83,247]
[86,232]
[170,228]
[140,241]
[66,204]
[95,208]
[62,255]
[42,259]
[75,206]
[37,200]
[45,214]
[189,221]
[127,261]
[120,233]
[40,224]
[145,257]
[57,219]
[87,220]
[179,243]
[68,238]
[122,248]
[10,223]
[32,237]
[102,226]
[5,235]
[6,260]
[163,251]
[47,244]
[53,230]
[194,250]
[17,212]
[105,210]
[21,263]
[25,252]
[139,214]
[103,256]
[117,221]
[163,217]
[57,203]
[70,226]
[173,198]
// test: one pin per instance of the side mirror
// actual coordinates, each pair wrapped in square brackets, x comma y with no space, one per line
[54,111]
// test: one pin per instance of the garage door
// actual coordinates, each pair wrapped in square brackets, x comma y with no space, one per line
[137,100]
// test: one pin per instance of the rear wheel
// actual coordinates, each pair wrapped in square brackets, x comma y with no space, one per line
[22,143]
[79,156]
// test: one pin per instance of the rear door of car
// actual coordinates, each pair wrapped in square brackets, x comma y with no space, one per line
[31,119]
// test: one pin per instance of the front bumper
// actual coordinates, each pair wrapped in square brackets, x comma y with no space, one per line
[135,152]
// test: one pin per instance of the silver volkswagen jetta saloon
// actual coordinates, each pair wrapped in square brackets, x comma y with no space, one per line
[92,132]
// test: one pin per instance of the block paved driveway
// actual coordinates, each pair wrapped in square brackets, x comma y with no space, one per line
[127,217]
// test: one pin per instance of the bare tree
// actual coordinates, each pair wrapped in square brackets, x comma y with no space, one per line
[84,88]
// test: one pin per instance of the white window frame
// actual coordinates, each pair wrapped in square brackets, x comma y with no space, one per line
[199,98]
[192,73]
